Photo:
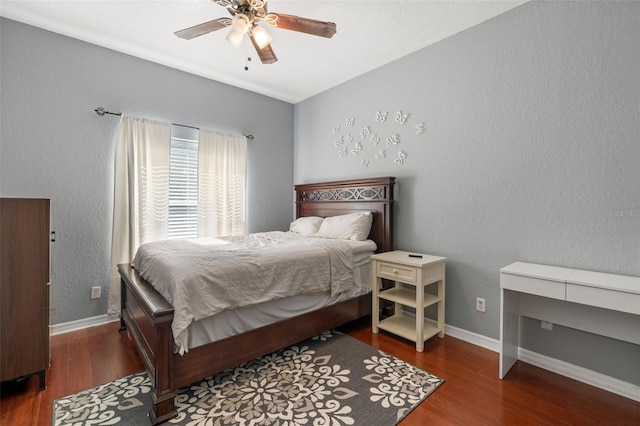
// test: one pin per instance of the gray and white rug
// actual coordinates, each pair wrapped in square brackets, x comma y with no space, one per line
[330,379]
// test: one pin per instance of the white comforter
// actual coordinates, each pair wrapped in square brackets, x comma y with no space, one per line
[201,277]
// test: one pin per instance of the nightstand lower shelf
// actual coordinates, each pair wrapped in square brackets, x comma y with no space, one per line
[405,326]
[407,297]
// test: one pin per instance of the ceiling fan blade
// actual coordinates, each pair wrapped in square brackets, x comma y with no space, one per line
[204,28]
[266,54]
[305,25]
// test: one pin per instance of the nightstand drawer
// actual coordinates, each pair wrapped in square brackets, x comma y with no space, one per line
[393,271]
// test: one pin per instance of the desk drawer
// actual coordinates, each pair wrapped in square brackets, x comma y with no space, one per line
[537,286]
[604,298]
[396,272]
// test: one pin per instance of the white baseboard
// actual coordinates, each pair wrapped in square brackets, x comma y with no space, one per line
[572,371]
[80,324]
[581,374]
[473,338]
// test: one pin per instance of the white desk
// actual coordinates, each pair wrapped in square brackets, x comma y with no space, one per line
[604,304]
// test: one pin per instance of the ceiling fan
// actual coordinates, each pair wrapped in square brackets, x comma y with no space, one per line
[245,16]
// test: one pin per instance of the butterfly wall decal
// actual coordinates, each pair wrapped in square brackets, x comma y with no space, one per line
[401,118]
[401,156]
[393,140]
[341,141]
[357,148]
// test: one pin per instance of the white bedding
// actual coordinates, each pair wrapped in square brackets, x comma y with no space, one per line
[235,321]
[202,277]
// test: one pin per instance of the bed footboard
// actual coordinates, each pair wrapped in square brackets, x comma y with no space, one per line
[203,361]
[148,316]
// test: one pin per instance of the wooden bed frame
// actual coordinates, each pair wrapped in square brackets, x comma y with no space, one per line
[148,316]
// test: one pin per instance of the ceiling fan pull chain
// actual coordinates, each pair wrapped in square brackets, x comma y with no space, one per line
[246,56]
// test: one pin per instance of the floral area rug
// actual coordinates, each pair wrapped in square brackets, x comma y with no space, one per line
[330,379]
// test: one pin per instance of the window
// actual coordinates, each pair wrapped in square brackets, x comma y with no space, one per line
[183,188]
[211,201]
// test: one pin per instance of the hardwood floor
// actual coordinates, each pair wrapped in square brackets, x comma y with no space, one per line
[471,395]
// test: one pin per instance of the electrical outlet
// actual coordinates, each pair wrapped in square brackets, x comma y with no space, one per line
[546,325]
[480,306]
[95,292]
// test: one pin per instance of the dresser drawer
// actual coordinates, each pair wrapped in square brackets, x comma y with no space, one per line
[396,272]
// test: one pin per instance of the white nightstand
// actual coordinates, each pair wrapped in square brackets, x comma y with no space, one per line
[410,275]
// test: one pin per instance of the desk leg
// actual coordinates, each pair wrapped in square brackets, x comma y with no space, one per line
[441,307]
[509,328]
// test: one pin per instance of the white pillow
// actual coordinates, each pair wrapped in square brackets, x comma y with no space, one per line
[354,226]
[306,225]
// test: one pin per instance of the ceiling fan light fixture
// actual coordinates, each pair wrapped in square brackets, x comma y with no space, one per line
[261,36]
[240,25]
[235,38]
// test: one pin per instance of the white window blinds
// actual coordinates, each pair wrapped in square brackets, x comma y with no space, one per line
[207,184]
[183,189]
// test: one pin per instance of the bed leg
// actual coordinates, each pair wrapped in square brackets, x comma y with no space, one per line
[163,394]
[123,304]
[163,408]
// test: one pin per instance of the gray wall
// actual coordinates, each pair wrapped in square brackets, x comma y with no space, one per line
[54,146]
[531,153]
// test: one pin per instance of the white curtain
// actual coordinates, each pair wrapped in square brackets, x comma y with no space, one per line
[222,177]
[140,208]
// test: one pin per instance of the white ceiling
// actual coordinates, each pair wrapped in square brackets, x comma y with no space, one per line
[370,34]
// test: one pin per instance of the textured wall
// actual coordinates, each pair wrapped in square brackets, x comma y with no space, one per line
[53,145]
[530,153]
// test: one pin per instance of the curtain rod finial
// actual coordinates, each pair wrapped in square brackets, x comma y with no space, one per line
[100,111]
[249,137]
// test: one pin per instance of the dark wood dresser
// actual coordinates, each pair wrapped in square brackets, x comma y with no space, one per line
[24,288]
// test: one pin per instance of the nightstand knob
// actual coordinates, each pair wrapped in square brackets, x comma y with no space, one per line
[395,271]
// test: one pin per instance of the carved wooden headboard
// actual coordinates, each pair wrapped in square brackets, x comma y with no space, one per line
[350,196]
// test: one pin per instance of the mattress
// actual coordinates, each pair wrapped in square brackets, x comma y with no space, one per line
[231,322]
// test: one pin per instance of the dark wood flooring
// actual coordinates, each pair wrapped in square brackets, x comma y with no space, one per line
[471,395]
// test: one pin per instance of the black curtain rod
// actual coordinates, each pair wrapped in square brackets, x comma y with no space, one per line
[101,111]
